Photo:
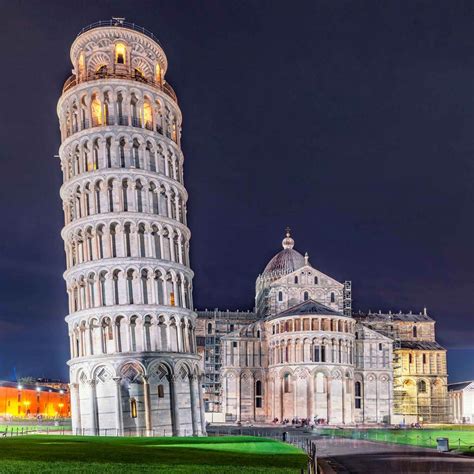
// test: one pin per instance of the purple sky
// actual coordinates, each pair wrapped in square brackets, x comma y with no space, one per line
[351,122]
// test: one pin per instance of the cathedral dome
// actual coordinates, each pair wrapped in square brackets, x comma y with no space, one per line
[286,261]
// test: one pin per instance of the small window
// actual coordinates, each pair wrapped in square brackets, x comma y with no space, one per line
[333,298]
[133,408]
[258,394]
[296,279]
[258,334]
[286,383]
[209,328]
[231,327]
[280,296]
[422,386]
[357,335]
[424,358]
[161,391]
[380,346]
[120,53]
[306,296]
[316,281]
[358,395]
[415,331]
[234,343]
[410,358]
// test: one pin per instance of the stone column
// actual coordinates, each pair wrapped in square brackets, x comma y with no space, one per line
[310,391]
[201,406]
[75,408]
[92,408]
[118,406]
[146,392]
[237,395]
[328,390]
[174,406]
[194,404]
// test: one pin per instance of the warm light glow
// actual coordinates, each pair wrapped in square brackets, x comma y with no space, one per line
[172,299]
[147,114]
[133,406]
[120,53]
[96,108]
[158,73]
[24,401]
[82,63]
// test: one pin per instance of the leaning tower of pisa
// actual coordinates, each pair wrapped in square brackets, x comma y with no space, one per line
[133,366]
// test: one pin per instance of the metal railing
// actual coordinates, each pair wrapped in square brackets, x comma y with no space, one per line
[120,24]
[165,87]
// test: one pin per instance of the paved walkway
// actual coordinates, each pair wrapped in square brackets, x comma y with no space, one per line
[356,456]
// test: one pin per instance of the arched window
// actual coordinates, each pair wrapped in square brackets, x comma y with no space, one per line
[158,73]
[96,111]
[422,386]
[358,395]
[415,331]
[296,279]
[120,53]
[148,115]
[258,333]
[258,394]
[333,298]
[317,350]
[133,408]
[410,358]
[280,296]
[286,383]
[82,64]
[306,296]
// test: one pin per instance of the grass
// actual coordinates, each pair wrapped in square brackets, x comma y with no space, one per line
[78,454]
[460,437]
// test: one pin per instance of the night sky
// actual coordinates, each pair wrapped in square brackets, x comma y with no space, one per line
[350,122]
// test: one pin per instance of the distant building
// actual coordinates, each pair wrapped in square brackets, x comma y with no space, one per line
[461,396]
[20,401]
[304,353]
[210,327]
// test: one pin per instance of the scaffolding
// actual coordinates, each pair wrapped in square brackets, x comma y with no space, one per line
[347,302]
[409,404]
[217,324]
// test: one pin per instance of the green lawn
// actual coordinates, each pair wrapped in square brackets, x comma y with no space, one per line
[77,454]
[460,438]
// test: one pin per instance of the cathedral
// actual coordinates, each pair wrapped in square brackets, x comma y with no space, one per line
[304,353]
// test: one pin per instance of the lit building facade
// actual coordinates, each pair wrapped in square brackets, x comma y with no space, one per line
[134,365]
[26,401]
[306,354]
[461,397]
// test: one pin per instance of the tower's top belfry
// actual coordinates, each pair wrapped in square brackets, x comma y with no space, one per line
[118,49]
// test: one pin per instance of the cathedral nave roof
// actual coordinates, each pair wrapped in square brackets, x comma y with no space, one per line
[422,345]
